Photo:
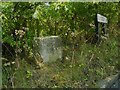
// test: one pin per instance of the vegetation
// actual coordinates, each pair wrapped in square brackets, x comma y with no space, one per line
[84,62]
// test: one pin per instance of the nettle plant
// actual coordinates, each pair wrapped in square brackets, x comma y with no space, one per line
[20,40]
[17,28]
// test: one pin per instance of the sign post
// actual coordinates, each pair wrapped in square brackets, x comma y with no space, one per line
[100,19]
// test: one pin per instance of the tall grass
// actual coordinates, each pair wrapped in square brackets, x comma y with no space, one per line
[91,64]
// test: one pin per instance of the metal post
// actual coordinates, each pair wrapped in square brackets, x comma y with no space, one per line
[97,29]
[104,28]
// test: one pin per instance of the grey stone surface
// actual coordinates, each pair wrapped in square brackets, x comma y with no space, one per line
[110,82]
[48,48]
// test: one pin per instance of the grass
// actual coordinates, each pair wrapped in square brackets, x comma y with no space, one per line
[91,64]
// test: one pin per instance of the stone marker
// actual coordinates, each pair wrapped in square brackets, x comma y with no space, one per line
[47,48]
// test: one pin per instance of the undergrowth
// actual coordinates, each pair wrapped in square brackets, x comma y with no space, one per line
[91,63]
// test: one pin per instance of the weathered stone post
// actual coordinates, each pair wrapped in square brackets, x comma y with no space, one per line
[47,49]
